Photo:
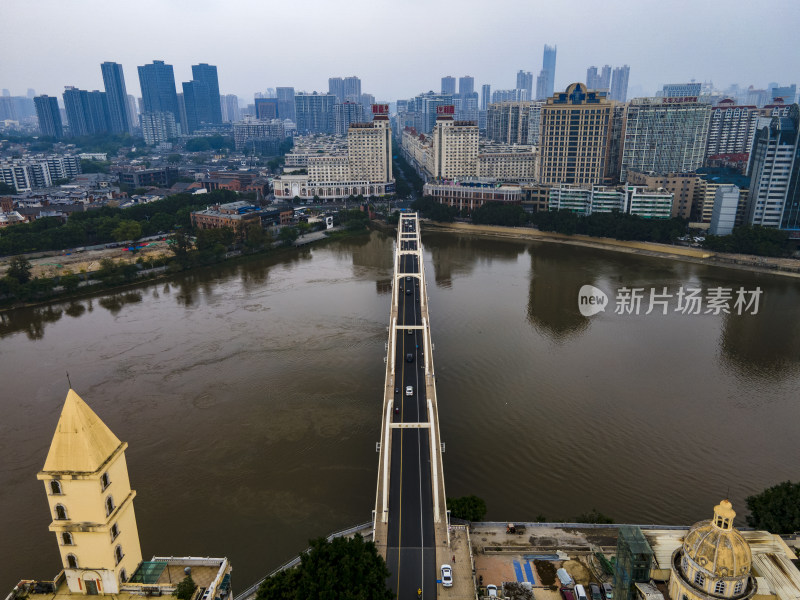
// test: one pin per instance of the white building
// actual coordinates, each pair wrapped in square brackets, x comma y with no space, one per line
[455,148]
[723,215]
[652,204]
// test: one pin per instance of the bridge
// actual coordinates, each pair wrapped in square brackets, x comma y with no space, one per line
[410,517]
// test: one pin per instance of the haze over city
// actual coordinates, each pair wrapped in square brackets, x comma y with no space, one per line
[399,49]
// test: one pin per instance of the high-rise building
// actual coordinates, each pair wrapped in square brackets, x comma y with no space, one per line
[157,82]
[49,116]
[664,135]
[787,93]
[525,82]
[466,85]
[87,112]
[507,122]
[31,93]
[197,105]
[545,82]
[619,84]
[681,90]
[133,113]
[336,87]
[486,94]
[230,108]
[598,81]
[351,87]
[158,127]
[574,137]
[266,108]
[207,74]
[514,95]
[774,171]
[731,129]
[449,85]
[369,148]
[345,114]
[117,97]
[258,135]
[723,215]
[455,146]
[314,112]
[286,105]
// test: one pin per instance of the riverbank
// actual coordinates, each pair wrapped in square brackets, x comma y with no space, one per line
[778,266]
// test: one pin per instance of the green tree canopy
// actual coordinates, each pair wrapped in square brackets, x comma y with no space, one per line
[469,508]
[19,269]
[7,190]
[593,516]
[127,230]
[776,509]
[340,569]
[185,589]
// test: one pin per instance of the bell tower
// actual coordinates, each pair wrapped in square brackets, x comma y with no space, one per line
[91,502]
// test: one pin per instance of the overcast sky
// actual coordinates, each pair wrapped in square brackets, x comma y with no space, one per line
[400,48]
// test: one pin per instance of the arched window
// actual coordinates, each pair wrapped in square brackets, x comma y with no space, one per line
[105,481]
[699,578]
[685,564]
[719,587]
[72,561]
[737,589]
[55,487]
[123,576]
[109,505]
[114,532]
[61,512]
[66,538]
[118,554]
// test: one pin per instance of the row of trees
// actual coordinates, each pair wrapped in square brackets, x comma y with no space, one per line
[750,239]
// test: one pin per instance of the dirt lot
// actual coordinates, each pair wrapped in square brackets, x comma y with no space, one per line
[88,261]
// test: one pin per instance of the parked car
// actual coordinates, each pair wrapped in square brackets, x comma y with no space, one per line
[567,594]
[491,591]
[608,591]
[595,591]
[580,592]
[447,576]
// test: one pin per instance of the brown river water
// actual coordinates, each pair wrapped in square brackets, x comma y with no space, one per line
[250,394]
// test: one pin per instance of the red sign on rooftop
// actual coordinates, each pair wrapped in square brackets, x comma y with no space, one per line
[447,109]
[380,109]
[678,99]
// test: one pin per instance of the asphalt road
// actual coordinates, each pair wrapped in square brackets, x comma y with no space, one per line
[411,552]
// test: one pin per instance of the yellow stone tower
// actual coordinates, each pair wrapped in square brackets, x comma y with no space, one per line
[86,480]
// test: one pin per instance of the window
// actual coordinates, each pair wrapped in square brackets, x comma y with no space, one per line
[737,589]
[61,512]
[55,487]
[699,578]
[105,481]
[72,561]
[123,576]
[66,538]
[719,587]
[114,532]
[109,505]
[118,554]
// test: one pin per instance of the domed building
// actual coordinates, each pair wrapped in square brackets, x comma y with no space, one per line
[714,561]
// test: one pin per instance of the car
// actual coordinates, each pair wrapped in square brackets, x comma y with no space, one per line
[447,576]
[409,357]
[567,594]
[397,409]
[491,591]
[409,291]
[397,390]
[580,592]
[409,390]
[594,590]
[608,591]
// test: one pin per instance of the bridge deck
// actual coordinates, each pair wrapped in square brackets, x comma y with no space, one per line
[410,512]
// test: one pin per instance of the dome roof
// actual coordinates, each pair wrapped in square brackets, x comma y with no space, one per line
[717,547]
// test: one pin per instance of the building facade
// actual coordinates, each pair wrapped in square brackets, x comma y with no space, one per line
[346,113]
[286,105]
[681,90]
[314,113]
[664,135]
[49,116]
[117,96]
[369,150]
[619,84]
[574,137]
[731,128]
[455,147]
[159,95]
[469,195]
[207,75]
[159,127]
[508,122]
[545,82]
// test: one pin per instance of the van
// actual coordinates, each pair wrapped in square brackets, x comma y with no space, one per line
[580,593]
[567,594]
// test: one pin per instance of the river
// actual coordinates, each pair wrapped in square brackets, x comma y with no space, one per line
[250,394]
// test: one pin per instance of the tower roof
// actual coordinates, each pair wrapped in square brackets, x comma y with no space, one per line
[82,442]
[716,546]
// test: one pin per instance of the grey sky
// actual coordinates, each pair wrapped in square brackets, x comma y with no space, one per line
[398,48]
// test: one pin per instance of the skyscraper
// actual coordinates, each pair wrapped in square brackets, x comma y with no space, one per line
[230,108]
[87,112]
[466,85]
[507,122]
[133,114]
[266,108]
[49,116]
[351,88]
[314,113]
[197,103]
[525,82]
[336,87]
[345,113]
[286,107]
[116,96]
[486,94]
[681,90]
[207,74]
[619,84]
[449,85]
[545,82]
[598,81]
[576,114]
[157,81]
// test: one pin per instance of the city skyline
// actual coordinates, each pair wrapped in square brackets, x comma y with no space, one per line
[688,49]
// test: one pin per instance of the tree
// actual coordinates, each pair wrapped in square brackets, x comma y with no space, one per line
[70,281]
[594,516]
[342,568]
[255,237]
[469,508]
[776,509]
[288,235]
[185,589]
[19,269]
[127,230]
[174,158]
[179,244]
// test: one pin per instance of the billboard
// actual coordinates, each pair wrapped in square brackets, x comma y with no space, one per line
[380,109]
[447,109]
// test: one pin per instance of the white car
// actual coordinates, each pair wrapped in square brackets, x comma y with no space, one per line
[491,591]
[447,576]
[409,390]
